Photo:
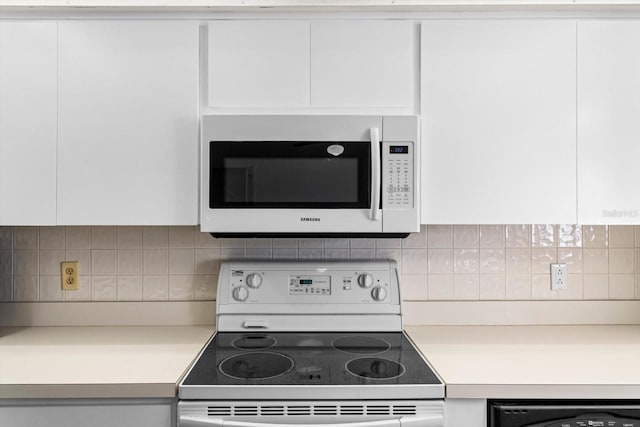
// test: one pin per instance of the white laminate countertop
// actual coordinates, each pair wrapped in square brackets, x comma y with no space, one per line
[596,362]
[102,361]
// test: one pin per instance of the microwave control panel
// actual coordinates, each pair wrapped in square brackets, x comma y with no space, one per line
[397,175]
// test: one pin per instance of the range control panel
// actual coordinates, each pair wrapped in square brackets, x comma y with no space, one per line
[397,175]
[270,285]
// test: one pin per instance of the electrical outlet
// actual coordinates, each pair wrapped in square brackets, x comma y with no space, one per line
[69,275]
[558,277]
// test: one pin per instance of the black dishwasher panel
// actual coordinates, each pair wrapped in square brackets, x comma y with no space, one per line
[563,413]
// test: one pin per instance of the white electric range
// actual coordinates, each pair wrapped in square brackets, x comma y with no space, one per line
[310,343]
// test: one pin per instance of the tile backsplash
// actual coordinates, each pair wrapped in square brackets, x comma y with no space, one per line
[442,262]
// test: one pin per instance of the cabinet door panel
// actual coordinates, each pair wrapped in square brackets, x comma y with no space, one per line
[608,125]
[258,64]
[498,121]
[28,102]
[363,64]
[128,122]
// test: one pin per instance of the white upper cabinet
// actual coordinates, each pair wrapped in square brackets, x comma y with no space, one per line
[609,122]
[128,122]
[258,64]
[498,109]
[28,102]
[364,64]
[319,64]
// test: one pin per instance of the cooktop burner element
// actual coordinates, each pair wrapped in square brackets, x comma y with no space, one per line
[253,342]
[361,345]
[374,368]
[256,365]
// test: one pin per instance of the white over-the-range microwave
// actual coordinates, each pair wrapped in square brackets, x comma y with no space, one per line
[310,175]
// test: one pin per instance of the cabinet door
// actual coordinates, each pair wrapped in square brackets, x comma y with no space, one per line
[128,123]
[258,64]
[608,122]
[363,64]
[498,121]
[28,102]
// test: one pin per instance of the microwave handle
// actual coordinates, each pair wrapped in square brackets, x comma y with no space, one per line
[374,212]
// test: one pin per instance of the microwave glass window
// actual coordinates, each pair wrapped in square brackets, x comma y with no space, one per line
[298,180]
[287,174]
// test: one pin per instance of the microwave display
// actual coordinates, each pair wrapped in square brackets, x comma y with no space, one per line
[399,149]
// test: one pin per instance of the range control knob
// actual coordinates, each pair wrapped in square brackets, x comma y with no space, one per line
[254,280]
[365,280]
[378,293]
[241,293]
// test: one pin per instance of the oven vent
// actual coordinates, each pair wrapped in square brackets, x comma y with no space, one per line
[218,411]
[404,410]
[378,410]
[352,410]
[245,410]
[325,410]
[299,410]
[272,410]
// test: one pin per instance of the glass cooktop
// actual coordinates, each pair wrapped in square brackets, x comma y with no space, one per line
[309,359]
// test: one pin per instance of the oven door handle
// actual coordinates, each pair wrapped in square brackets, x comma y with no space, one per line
[220,422]
[374,213]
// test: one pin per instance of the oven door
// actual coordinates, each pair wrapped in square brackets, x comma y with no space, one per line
[284,422]
[298,186]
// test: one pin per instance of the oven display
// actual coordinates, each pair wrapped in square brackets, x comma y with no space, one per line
[309,285]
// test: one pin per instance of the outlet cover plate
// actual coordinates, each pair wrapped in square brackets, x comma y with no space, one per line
[558,277]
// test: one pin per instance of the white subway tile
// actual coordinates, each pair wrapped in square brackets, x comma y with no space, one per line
[518,287]
[543,236]
[492,261]
[155,237]
[25,262]
[104,288]
[621,261]
[50,288]
[232,254]
[6,237]
[334,254]
[129,288]
[362,254]
[182,237]
[6,288]
[288,253]
[595,236]
[310,253]
[390,254]
[78,237]
[621,236]
[6,262]
[83,293]
[572,257]
[129,237]
[129,262]
[518,236]
[569,236]
[574,289]
[466,236]
[595,261]
[181,287]
[518,261]
[205,240]
[336,243]
[388,243]
[25,238]
[440,261]
[466,261]
[259,253]
[596,286]
[284,243]
[205,287]
[621,286]
[259,243]
[155,287]
[466,287]
[83,256]
[103,237]
[25,288]
[439,237]
[492,236]
[233,243]
[181,261]
[414,261]
[440,287]
[155,261]
[415,240]
[413,287]
[103,262]
[542,258]
[355,243]
[541,287]
[51,238]
[50,260]
[492,287]
[207,261]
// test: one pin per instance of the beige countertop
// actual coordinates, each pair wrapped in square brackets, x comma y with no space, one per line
[533,361]
[97,361]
